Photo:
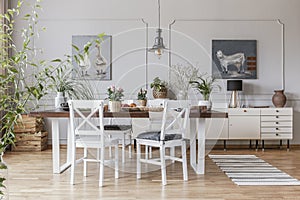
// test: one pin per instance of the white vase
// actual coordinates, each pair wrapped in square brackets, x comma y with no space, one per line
[205,103]
[60,98]
[114,106]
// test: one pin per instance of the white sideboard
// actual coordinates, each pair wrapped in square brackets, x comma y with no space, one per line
[252,124]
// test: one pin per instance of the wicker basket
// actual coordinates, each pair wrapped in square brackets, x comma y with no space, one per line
[161,94]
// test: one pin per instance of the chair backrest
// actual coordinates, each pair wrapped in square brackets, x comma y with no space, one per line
[155,116]
[86,118]
[175,118]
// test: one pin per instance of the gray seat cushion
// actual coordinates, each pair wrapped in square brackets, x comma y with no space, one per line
[117,127]
[155,135]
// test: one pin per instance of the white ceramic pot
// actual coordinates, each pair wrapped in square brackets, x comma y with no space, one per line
[60,98]
[114,106]
[205,103]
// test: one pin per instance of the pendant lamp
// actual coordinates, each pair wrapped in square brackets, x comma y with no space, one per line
[158,47]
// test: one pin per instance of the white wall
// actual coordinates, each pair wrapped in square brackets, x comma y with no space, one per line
[121,18]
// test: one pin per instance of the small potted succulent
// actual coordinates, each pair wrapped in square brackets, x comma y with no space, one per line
[159,88]
[142,97]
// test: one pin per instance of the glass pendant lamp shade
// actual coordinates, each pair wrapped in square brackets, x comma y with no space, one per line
[158,47]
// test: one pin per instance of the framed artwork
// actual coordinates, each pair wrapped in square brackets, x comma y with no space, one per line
[234,59]
[97,63]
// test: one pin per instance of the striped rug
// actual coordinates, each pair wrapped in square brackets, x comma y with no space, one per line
[251,170]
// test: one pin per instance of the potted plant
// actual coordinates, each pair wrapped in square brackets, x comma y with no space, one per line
[142,97]
[159,88]
[115,95]
[204,85]
[66,87]
[19,91]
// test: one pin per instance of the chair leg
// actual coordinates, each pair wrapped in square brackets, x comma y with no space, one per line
[150,152]
[85,162]
[123,148]
[73,165]
[184,161]
[146,152]
[116,162]
[101,169]
[138,161]
[172,153]
[129,148]
[163,165]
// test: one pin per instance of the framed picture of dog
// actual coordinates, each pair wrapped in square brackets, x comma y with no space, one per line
[234,59]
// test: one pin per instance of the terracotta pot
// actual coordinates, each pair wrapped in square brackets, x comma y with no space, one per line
[279,98]
[161,94]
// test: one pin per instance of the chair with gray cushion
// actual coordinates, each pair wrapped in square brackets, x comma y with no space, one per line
[172,133]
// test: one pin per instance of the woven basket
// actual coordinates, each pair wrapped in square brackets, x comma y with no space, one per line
[161,94]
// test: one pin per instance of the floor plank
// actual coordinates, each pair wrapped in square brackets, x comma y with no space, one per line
[30,177]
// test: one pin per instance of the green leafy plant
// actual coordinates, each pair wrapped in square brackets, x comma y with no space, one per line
[142,94]
[158,84]
[62,80]
[19,91]
[205,85]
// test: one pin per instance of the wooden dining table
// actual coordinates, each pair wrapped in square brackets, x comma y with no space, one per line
[197,155]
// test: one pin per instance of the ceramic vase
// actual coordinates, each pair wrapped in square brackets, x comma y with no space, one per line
[279,98]
[114,106]
[59,99]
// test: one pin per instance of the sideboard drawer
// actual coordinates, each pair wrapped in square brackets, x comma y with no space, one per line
[276,111]
[277,129]
[276,118]
[243,111]
[276,136]
[276,123]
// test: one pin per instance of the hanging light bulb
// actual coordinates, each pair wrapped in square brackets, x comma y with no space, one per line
[158,47]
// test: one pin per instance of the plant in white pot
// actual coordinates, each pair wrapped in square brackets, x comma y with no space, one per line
[66,87]
[204,85]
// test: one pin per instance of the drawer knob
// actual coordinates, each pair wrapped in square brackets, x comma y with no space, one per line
[245,110]
[277,122]
[277,110]
[277,134]
[277,116]
[277,129]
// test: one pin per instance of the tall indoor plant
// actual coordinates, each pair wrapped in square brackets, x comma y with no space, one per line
[19,92]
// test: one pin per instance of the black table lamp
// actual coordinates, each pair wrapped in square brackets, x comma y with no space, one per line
[234,86]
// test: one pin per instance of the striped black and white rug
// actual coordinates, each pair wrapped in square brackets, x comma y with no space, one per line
[251,170]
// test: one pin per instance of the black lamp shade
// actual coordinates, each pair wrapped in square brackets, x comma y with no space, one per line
[234,85]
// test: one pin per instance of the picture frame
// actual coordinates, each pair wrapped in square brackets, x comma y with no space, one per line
[234,59]
[97,63]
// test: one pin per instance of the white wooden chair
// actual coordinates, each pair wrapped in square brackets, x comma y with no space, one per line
[86,120]
[121,129]
[172,132]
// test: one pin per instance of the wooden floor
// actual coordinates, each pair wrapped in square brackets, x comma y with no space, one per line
[30,177]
